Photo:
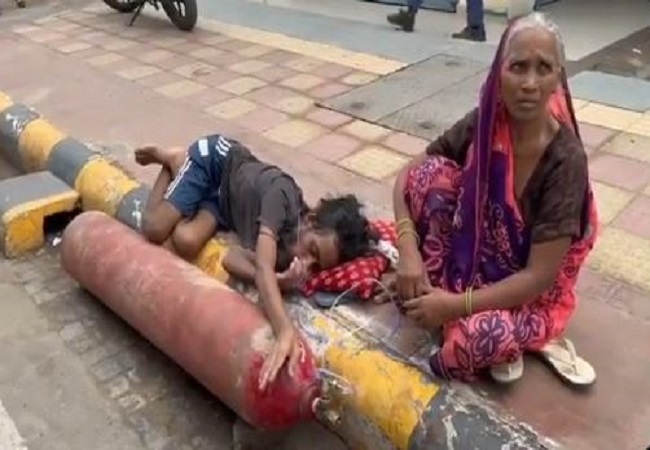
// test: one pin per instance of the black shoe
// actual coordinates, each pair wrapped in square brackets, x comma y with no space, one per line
[471,34]
[403,19]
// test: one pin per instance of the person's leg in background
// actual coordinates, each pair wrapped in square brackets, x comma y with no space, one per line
[475,29]
[405,18]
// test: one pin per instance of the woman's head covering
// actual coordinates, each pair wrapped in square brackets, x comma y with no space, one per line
[485,171]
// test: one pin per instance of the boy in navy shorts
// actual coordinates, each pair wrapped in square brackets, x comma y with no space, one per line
[219,184]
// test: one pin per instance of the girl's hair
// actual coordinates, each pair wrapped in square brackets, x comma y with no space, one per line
[343,216]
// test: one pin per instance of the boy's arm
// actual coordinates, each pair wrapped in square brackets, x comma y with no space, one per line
[287,345]
[276,208]
[240,263]
[266,280]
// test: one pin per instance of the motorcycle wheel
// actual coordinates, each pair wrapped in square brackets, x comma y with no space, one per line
[182,13]
[123,6]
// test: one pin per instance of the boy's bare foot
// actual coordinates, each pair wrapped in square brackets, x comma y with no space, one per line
[148,155]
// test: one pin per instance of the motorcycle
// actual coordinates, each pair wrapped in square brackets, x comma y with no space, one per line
[182,13]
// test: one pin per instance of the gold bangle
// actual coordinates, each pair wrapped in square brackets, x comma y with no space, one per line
[468,301]
[406,231]
[406,222]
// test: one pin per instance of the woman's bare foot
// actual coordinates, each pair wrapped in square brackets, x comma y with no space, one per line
[149,155]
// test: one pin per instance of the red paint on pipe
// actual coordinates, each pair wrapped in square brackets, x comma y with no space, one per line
[214,333]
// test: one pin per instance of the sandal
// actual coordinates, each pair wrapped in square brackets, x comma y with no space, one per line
[508,372]
[561,357]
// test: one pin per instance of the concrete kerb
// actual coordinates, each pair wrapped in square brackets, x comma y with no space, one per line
[395,405]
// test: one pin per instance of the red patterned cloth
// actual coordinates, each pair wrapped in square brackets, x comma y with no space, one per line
[359,275]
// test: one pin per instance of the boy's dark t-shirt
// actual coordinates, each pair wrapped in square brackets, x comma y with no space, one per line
[254,193]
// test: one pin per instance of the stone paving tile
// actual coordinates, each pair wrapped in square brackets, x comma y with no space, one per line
[328,118]
[406,144]
[195,69]
[278,57]
[234,45]
[281,99]
[249,66]
[95,37]
[275,73]
[295,105]
[217,77]
[121,65]
[365,131]
[73,47]
[173,62]
[594,136]
[607,116]
[374,162]
[631,146]
[214,39]
[302,82]
[105,59]
[206,53]
[610,201]
[180,89]
[332,147]
[160,79]
[270,95]
[232,108]
[188,47]
[138,50]
[89,53]
[641,126]
[329,90]
[621,172]
[359,78]
[154,56]
[65,27]
[262,119]
[304,64]
[116,44]
[45,37]
[169,42]
[622,255]
[332,71]
[255,51]
[636,218]
[206,98]
[27,30]
[242,85]
[224,59]
[138,72]
[295,133]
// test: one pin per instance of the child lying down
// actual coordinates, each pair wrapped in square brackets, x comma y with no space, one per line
[219,184]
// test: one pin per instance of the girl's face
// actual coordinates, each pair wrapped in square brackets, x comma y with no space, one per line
[318,249]
[530,73]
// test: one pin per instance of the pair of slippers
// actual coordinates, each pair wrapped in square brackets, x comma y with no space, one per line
[560,355]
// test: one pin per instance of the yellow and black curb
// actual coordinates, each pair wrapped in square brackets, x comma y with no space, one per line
[395,404]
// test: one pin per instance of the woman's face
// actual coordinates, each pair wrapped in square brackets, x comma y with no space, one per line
[530,73]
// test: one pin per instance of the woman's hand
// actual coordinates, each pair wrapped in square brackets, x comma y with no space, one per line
[434,308]
[412,280]
[287,347]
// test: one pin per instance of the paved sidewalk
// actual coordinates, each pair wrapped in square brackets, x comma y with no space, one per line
[123,87]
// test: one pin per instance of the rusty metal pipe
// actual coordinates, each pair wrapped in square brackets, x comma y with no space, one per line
[214,333]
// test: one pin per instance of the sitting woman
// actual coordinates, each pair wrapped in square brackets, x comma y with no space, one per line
[497,217]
